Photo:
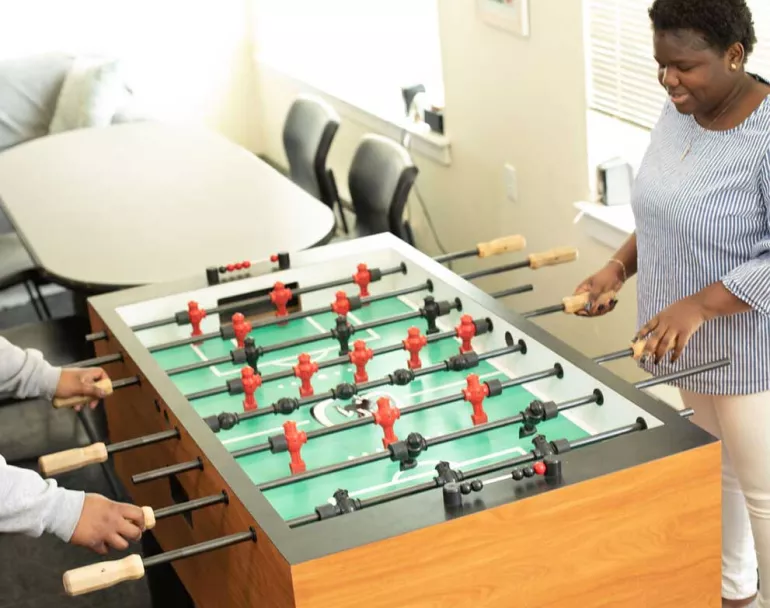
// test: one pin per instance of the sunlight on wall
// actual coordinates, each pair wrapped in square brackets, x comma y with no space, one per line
[186,61]
[360,51]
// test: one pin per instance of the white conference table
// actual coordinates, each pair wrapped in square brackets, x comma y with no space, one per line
[132,204]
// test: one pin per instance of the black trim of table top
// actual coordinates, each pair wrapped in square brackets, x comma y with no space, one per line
[382,521]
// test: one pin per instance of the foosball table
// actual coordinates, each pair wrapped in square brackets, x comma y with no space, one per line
[358,426]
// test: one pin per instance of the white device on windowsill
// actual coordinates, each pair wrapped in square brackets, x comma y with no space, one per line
[614,180]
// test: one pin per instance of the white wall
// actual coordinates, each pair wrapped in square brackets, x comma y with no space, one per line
[189,61]
[508,100]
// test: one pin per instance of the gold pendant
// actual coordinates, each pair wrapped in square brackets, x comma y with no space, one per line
[686,151]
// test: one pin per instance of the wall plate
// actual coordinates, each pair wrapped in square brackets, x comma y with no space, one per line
[510,15]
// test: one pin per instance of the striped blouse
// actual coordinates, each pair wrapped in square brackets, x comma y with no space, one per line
[703,217]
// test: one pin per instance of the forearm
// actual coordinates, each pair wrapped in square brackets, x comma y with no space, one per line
[32,505]
[626,255]
[717,301]
[25,373]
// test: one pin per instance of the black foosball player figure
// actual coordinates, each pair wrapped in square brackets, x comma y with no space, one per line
[35,506]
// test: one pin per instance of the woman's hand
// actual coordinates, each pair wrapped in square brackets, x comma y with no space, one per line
[602,288]
[671,329]
[75,382]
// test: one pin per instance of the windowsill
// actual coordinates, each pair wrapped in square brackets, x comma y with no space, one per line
[422,141]
[609,225]
[610,138]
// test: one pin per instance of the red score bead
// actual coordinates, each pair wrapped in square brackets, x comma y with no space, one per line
[539,468]
[246,264]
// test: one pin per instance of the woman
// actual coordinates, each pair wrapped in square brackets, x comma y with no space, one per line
[701,252]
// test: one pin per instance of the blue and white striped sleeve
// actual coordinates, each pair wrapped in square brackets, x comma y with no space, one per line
[751,280]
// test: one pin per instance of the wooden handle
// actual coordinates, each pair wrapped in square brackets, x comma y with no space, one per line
[103,575]
[515,242]
[558,255]
[574,303]
[638,348]
[69,460]
[149,518]
[105,385]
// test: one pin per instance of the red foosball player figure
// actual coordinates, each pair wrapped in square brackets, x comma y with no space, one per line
[466,330]
[196,315]
[304,370]
[294,441]
[341,304]
[362,278]
[280,296]
[241,328]
[386,416]
[360,356]
[414,344]
[475,393]
[251,381]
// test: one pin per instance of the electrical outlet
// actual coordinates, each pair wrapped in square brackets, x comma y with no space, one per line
[511,187]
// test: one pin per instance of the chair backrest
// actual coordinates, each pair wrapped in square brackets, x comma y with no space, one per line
[308,132]
[381,176]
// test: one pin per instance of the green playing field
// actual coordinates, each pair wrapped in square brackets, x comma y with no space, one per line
[368,480]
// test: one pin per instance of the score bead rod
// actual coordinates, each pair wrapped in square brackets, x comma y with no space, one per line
[182,317]
[559,255]
[102,575]
[107,385]
[76,458]
[226,331]
[239,354]
[639,425]
[514,242]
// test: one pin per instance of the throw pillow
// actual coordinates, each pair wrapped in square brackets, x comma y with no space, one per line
[92,92]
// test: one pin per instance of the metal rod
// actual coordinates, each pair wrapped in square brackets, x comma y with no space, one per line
[130,444]
[512,291]
[288,373]
[191,505]
[467,432]
[168,471]
[265,299]
[704,367]
[497,269]
[546,310]
[271,348]
[449,257]
[204,547]
[96,361]
[279,320]
[238,417]
[618,354]
[128,381]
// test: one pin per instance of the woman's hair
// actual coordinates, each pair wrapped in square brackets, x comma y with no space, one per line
[721,23]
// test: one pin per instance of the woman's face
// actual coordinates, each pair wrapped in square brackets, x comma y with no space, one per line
[696,77]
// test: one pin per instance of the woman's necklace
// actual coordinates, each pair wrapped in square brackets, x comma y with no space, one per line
[718,116]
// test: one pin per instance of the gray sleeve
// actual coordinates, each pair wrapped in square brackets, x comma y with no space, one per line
[32,505]
[25,373]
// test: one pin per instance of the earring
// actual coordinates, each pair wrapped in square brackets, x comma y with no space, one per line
[733,67]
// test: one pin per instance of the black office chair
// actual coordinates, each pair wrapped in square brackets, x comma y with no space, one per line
[381,177]
[18,268]
[308,132]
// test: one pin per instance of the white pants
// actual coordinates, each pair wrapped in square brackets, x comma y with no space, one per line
[743,424]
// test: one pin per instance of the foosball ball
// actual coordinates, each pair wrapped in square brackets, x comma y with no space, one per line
[361,426]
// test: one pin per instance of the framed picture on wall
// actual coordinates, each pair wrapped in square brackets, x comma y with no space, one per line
[510,15]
